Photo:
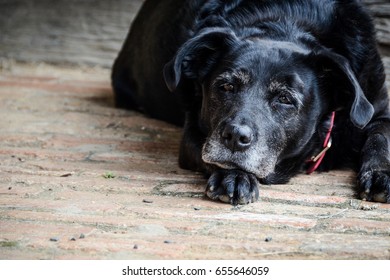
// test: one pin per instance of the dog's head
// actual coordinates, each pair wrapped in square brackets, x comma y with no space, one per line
[262,100]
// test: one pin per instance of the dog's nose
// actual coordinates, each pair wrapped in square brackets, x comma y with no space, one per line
[237,137]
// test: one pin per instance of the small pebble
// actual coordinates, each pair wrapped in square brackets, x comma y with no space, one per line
[268,239]
[196,208]
[135,247]
[66,175]
[73,239]
[147,201]
[54,239]
[168,241]
[82,236]
[9,188]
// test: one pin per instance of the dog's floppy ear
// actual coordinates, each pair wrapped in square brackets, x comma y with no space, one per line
[338,67]
[196,57]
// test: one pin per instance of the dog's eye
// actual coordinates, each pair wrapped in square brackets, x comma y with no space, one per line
[227,87]
[284,99]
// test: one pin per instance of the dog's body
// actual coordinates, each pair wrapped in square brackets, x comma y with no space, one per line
[255,84]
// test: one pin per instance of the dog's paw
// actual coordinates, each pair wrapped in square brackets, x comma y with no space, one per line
[375,185]
[233,186]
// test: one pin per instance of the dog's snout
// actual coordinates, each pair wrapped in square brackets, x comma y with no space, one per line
[237,137]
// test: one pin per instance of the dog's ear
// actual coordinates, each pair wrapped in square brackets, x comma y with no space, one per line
[197,56]
[343,81]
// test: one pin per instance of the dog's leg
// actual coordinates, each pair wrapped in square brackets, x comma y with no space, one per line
[191,145]
[123,88]
[374,175]
[190,150]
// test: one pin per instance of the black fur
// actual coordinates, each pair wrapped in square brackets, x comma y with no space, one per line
[255,82]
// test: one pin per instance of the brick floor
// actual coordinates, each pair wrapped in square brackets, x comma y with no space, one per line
[61,141]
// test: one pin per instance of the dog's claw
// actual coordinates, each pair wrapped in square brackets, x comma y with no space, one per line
[233,186]
[224,198]
[375,185]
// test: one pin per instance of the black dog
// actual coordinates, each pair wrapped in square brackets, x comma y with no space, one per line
[261,87]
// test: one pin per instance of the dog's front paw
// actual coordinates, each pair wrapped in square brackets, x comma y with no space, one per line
[375,185]
[233,186]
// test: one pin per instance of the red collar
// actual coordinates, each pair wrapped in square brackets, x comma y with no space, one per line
[315,161]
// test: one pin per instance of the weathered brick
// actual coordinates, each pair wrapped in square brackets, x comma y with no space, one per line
[60,135]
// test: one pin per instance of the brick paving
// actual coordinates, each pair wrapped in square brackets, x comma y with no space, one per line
[80,179]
